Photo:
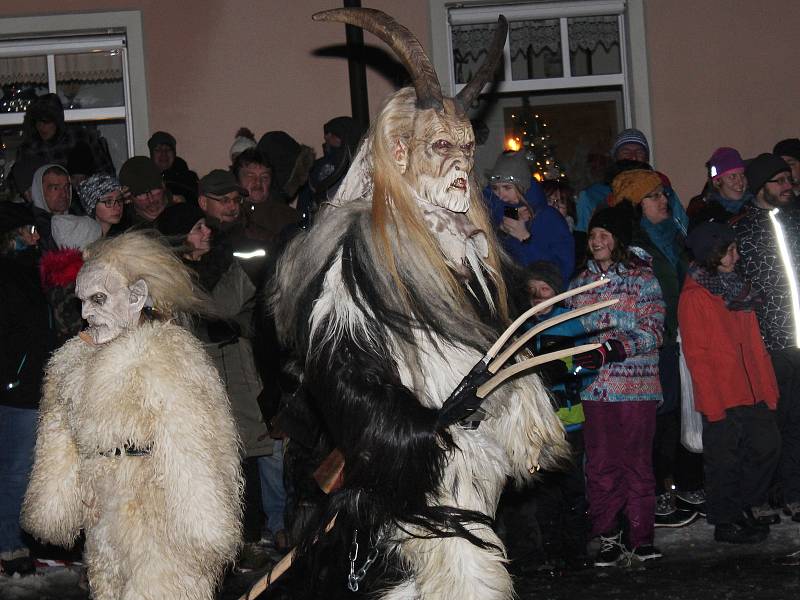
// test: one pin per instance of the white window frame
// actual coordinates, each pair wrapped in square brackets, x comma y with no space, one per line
[633,52]
[73,33]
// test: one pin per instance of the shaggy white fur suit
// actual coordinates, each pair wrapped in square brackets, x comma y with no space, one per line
[159,525]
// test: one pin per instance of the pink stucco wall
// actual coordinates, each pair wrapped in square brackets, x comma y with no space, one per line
[721,72]
[214,66]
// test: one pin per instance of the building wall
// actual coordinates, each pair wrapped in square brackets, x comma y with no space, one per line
[215,66]
[721,72]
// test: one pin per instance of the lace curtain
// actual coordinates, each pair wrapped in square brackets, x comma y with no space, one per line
[90,66]
[470,42]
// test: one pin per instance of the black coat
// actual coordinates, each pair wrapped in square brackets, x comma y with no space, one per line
[27,339]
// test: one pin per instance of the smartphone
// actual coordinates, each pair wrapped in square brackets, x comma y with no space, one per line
[512,212]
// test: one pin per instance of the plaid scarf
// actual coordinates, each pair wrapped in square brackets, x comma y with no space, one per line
[736,291]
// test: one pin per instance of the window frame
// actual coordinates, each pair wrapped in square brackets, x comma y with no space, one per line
[36,34]
[634,78]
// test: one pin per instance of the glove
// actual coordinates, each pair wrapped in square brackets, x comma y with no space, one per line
[610,351]
[462,402]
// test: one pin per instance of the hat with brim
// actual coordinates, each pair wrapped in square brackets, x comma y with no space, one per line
[220,182]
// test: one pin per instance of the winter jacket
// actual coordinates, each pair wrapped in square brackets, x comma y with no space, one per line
[637,320]
[714,207]
[550,240]
[725,354]
[761,263]
[181,181]
[670,278]
[58,149]
[24,330]
[228,345]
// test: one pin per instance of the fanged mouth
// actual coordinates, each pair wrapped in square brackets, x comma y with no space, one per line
[459,183]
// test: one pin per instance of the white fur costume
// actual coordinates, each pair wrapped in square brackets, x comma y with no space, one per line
[159,525]
[391,299]
[520,433]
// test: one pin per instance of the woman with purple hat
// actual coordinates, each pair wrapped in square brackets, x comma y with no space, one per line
[725,192]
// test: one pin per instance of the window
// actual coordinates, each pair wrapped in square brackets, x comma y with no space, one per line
[94,62]
[565,87]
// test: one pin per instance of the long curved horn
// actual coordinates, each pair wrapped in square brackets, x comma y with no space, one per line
[402,41]
[486,72]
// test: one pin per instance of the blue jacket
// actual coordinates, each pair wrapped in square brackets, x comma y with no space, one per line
[551,239]
[562,379]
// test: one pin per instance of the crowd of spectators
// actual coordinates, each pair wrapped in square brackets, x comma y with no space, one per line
[713,285]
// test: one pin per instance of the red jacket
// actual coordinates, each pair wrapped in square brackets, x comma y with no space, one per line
[724,352]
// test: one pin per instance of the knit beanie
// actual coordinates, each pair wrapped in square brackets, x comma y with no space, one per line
[91,190]
[549,273]
[630,136]
[633,186]
[240,144]
[179,219]
[763,168]
[511,167]
[616,221]
[159,138]
[788,147]
[707,237]
[724,160]
[140,174]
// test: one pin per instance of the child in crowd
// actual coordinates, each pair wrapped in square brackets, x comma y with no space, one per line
[620,405]
[734,386]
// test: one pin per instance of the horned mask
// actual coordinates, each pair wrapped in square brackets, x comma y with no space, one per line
[435,151]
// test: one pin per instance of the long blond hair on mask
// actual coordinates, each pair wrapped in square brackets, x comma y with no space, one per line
[394,208]
[172,288]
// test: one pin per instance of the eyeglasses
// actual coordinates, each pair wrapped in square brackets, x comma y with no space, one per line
[225,200]
[31,229]
[785,180]
[111,202]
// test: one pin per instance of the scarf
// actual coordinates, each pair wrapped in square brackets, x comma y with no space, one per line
[731,287]
[731,206]
[663,235]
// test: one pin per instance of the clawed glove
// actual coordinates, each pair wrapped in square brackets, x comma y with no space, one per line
[463,401]
[610,351]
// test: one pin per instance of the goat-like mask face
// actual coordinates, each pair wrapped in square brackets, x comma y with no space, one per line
[110,305]
[440,157]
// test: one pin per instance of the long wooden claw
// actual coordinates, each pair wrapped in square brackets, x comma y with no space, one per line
[488,387]
[495,365]
[536,310]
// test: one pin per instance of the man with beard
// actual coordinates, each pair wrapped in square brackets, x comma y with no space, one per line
[220,197]
[769,244]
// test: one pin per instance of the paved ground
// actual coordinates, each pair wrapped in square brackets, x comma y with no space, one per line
[694,568]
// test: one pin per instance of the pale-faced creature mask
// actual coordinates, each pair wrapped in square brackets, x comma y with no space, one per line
[437,159]
[110,305]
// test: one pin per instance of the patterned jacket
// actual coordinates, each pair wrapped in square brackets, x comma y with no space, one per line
[637,320]
[762,264]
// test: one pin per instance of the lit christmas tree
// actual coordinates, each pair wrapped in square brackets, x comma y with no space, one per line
[529,134]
